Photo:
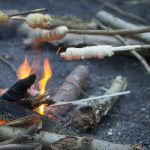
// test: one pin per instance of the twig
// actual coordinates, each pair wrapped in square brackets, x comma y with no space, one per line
[134,53]
[80,101]
[8,63]
[122,12]
[111,31]
[27,12]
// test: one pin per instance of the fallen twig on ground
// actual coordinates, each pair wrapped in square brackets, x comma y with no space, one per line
[8,63]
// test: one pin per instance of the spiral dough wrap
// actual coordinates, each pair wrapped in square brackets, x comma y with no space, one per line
[38,20]
[51,35]
[3,17]
[88,52]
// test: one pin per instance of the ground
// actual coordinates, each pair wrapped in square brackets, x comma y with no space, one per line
[129,119]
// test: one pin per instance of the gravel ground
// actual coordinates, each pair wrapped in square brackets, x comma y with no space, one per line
[129,120]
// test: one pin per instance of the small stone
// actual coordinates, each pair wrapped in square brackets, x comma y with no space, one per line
[110,132]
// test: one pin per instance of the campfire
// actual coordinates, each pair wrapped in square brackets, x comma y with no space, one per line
[79,103]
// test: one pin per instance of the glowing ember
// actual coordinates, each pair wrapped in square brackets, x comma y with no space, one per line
[58,50]
[42,83]
[24,69]
[2,122]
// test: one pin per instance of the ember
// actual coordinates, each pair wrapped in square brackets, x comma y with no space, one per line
[3,122]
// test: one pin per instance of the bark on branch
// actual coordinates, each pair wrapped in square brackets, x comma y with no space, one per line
[56,141]
[70,89]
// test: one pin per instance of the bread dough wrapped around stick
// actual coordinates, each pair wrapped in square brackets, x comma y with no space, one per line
[51,35]
[88,52]
[38,20]
[100,51]
[3,17]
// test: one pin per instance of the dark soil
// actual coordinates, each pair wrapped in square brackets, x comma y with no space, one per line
[129,119]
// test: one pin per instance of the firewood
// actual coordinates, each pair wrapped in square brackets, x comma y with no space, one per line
[58,141]
[88,115]
[116,22]
[70,89]
[24,121]
[30,146]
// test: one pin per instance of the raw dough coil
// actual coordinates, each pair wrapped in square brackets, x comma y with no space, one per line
[3,17]
[38,20]
[51,35]
[88,52]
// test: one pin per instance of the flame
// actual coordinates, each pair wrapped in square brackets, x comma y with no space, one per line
[24,69]
[42,83]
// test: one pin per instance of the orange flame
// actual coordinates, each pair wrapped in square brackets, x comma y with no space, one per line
[24,69]
[42,83]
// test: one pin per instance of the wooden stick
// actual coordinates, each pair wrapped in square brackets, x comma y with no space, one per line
[57,141]
[82,101]
[116,22]
[72,39]
[70,89]
[111,31]
[27,12]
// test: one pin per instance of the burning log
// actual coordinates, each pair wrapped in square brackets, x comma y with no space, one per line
[116,22]
[70,89]
[10,111]
[88,115]
[57,141]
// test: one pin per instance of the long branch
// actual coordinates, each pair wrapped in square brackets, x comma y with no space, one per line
[111,31]
[57,141]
